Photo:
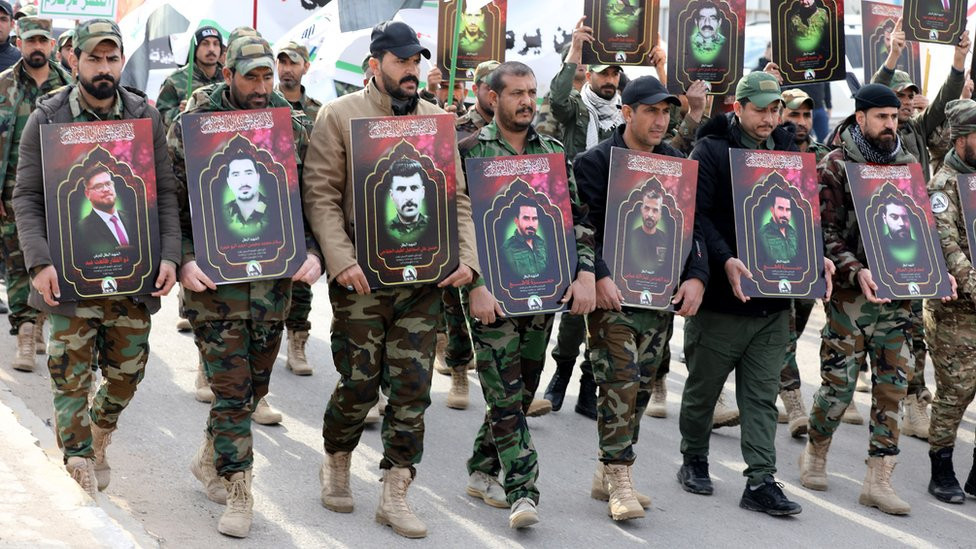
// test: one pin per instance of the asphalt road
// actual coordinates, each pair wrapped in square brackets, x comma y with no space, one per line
[159,432]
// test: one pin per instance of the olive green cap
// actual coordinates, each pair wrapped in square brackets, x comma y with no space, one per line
[760,88]
[295,51]
[901,81]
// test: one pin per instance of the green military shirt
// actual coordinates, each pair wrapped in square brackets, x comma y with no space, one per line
[252,223]
[943,191]
[174,89]
[567,107]
[524,259]
[818,149]
[469,123]
[777,246]
[305,104]
[406,232]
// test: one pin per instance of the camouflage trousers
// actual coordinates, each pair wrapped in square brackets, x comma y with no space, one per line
[301,307]
[855,329]
[510,355]
[916,374]
[951,337]
[459,347]
[626,350]
[789,379]
[387,337]
[121,327]
[18,280]
[237,359]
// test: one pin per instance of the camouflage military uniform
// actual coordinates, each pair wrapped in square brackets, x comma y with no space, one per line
[856,327]
[237,328]
[510,352]
[174,89]
[470,123]
[18,95]
[567,107]
[545,123]
[950,328]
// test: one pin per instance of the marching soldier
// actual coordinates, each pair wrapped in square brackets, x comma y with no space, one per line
[202,70]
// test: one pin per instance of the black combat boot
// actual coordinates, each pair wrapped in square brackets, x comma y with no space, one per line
[971,481]
[556,391]
[943,484]
[768,498]
[693,475]
[586,403]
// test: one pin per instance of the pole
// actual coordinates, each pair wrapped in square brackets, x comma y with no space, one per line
[254,19]
[454,48]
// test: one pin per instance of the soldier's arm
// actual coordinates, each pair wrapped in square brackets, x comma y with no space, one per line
[466,239]
[883,76]
[833,218]
[167,189]
[684,139]
[582,228]
[174,141]
[562,108]
[948,224]
[28,199]
[300,127]
[714,241]
[589,177]
[168,102]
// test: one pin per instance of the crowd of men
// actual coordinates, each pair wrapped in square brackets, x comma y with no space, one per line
[386,342]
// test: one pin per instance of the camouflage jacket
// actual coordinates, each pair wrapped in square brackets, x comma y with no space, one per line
[818,149]
[939,144]
[306,104]
[944,193]
[173,90]
[18,97]
[262,300]
[545,123]
[567,107]
[489,142]
[838,217]
[681,135]
[469,123]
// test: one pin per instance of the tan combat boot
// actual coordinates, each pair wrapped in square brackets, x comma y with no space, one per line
[297,361]
[202,467]
[620,487]
[658,406]
[813,465]
[236,520]
[264,414]
[440,351]
[916,422]
[457,397]
[600,491]
[334,478]
[538,407]
[82,470]
[797,412]
[724,415]
[851,415]
[877,490]
[41,341]
[101,438]
[26,348]
[393,509]
[201,387]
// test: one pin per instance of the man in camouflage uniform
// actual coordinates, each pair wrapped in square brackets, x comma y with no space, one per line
[64,50]
[203,69]
[915,130]
[858,322]
[511,352]
[950,328]
[236,327]
[120,323]
[20,86]
[292,66]
[378,335]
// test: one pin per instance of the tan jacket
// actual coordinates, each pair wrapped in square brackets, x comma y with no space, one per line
[327,193]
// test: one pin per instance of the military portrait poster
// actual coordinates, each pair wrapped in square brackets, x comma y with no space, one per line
[100,207]
[934,21]
[898,231]
[649,224]
[480,36]
[524,230]
[706,41]
[966,183]
[878,21]
[778,236]
[808,40]
[244,195]
[404,194]
[624,31]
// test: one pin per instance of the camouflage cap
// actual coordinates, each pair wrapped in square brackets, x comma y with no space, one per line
[247,53]
[241,31]
[67,38]
[34,26]
[93,32]
[902,81]
[295,51]
[27,10]
[365,65]
[760,88]
[601,68]
[483,70]
[794,98]
[962,117]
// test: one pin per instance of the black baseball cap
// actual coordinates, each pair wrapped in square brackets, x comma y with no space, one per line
[647,90]
[397,38]
[5,7]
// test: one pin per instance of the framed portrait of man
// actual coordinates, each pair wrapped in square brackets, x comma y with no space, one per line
[777,223]
[966,187]
[706,39]
[524,230]
[624,31]
[404,189]
[245,203]
[934,21]
[100,194]
[878,22]
[808,40]
[649,225]
[898,231]
[480,36]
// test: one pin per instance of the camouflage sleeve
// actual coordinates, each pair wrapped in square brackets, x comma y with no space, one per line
[684,140]
[562,108]
[168,102]
[950,225]
[300,128]
[935,115]
[883,76]
[582,228]
[167,193]
[833,218]
[174,141]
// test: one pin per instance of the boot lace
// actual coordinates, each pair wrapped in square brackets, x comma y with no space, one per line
[398,493]
[81,476]
[104,441]
[340,472]
[238,499]
[622,481]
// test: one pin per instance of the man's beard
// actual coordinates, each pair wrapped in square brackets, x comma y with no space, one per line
[806,13]
[511,123]
[393,88]
[783,222]
[288,83]
[247,102]
[487,108]
[607,91]
[36,60]
[879,145]
[99,92]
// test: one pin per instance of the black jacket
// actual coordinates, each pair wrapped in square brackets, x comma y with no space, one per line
[8,55]
[592,169]
[715,214]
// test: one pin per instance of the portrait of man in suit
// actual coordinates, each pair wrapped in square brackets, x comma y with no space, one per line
[106,228]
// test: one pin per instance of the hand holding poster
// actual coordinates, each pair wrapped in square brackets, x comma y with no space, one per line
[649,224]
[526,244]
[808,40]
[404,186]
[706,40]
[935,21]
[777,223]
[242,183]
[624,31]
[100,194]
[898,231]
[480,36]
[879,22]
